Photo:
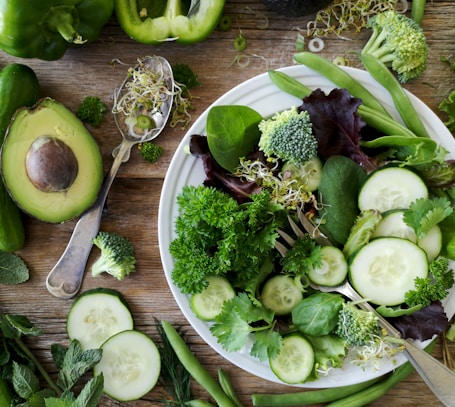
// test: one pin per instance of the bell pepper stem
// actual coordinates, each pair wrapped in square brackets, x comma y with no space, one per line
[61,19]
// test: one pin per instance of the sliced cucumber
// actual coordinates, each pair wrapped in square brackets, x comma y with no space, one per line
[333,270]
[130,365]
[96,315]
[207,304]
[391,188]
[295,362]
[393,225]
[280,294]
[307,175]
[384,269]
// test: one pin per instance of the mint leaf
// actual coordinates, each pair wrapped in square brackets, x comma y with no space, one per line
[54,402]
[14,326]
[423,214]
[76,363]
[25,382]
[13,269]
[91,394]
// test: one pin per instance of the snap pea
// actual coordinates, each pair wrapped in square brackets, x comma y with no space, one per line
[384,124]
[401,100]
[341,78]
[309,396]
[194,367]
[228,388]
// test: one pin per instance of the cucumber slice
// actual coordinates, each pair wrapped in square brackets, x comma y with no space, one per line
[393,225]
[280,294]
[307,174]
[384,269]
[391,188]
[333,270]
[130,364]
[295,362]
[207,304]
[96,315]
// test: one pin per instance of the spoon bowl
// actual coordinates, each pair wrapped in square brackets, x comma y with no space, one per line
[142,106]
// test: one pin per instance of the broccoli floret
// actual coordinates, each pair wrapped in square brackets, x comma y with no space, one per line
[288,135]
[117,255]
[399,42]
[91,110]
[150,151]
[356,326]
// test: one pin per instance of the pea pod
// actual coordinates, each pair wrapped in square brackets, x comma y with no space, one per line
[19,87]
[384,123]
[194,367]
[401,100]
[340,78]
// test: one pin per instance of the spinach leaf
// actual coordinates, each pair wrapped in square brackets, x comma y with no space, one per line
[232,132]
[341,180]
[317,314]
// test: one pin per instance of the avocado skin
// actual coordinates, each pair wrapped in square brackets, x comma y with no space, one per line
[52,119]
[296,8]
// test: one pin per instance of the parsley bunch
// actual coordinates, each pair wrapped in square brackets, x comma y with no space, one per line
[216,235]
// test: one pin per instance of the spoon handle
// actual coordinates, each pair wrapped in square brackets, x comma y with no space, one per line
[65,279]
[439,378]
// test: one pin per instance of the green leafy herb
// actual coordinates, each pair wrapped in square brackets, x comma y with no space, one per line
[239,318]
[435,287]
[302,256]
[184,75]
[13,269]
[19,368]
[423,214]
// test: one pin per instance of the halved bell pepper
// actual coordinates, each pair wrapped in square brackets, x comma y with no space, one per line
[44,29]
[155,21]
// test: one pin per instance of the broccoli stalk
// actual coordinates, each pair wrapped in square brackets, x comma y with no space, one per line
[288,136]
[117,255]
[91,110]
[356,326]
[399,42]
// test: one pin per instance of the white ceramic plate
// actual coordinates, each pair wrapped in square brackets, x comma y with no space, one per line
[260,94]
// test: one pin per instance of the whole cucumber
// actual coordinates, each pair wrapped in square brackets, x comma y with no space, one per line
[19,87]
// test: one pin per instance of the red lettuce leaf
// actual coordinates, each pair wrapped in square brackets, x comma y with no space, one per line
[422,324]
[337,125]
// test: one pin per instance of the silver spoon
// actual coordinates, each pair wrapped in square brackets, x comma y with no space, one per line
[65,279]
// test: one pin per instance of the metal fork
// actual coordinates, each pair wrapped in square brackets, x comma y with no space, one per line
[439,378]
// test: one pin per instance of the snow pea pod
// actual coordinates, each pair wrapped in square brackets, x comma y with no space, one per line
[341,78]
[401,100]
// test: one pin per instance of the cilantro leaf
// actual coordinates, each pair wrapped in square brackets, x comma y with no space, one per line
[239,318]
[13,269]
[424,213]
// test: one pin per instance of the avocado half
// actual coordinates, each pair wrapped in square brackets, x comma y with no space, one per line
[50,163]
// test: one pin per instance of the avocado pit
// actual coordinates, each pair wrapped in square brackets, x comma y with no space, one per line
[51,164]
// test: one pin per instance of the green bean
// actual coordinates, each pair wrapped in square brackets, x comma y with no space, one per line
[309,396]
[227,387]
[401,100]
[418,10]
[380,122]
[341,78]
[194,367]
[198,403]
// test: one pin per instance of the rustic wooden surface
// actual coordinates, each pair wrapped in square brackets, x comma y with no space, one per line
[134,197]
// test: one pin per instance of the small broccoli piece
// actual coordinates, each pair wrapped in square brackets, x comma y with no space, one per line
[117,255]
[399,42]
[91,110]
[288,135]
[150,151]
[356,326]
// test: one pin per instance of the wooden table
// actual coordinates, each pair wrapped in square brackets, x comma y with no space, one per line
[134,198]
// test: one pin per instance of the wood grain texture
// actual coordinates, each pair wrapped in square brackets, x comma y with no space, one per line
[132,205]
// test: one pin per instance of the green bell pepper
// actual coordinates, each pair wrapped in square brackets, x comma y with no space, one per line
[155,21]
[44,29]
